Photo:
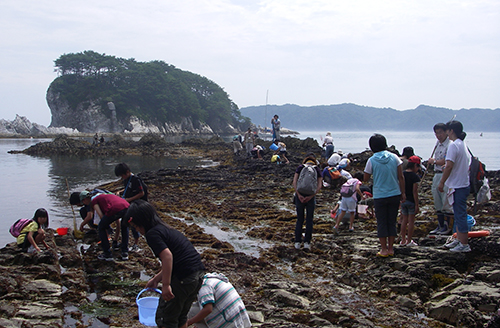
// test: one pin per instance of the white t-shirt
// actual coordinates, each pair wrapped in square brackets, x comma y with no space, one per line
[459,176]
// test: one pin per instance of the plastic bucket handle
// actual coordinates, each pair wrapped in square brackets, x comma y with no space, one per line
[146,289]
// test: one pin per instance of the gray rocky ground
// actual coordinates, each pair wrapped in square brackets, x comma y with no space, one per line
[338,283]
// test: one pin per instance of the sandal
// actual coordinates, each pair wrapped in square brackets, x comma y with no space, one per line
[382,255]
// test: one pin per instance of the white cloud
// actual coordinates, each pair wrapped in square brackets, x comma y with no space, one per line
[387,53]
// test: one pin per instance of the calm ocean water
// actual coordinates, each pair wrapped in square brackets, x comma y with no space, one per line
[32,182]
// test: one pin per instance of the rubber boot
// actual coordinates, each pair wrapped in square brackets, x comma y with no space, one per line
[446,229]
[440,226]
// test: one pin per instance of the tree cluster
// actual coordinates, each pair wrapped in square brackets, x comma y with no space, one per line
[153,91]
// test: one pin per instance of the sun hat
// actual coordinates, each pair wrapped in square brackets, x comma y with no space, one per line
[414,159]
[84,194]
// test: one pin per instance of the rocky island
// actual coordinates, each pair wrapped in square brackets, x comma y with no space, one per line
[339,282]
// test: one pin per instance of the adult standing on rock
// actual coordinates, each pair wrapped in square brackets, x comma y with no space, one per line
[306,184]
[249,140]
[328,143]
[388,191]
[441,205]
[276,124]
[456,178]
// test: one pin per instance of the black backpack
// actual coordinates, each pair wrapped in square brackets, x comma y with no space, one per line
[477,171]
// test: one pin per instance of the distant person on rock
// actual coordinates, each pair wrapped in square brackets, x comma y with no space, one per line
[388,191]
[276,125]
[34,232]
[281,151]
[443,209]
[249,141]
[257,152]
[410,207]
[349,190]
[456,178]
[306,184]
[96,139]
[328,143]
[237,147]
[182,271]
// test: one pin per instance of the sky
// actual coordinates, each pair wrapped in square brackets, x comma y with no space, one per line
[380,53]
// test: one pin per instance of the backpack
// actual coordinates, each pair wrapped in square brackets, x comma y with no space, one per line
[307,183]
[18,226]
[334,173]
[476,174]
[348,189]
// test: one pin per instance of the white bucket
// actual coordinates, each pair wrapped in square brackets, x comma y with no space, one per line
[362,209]
[146,307]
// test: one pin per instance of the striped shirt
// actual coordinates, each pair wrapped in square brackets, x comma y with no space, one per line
[228,308]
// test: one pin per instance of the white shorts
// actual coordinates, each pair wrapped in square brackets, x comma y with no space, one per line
[348,204]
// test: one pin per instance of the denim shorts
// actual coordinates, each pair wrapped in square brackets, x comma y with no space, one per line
[408,208]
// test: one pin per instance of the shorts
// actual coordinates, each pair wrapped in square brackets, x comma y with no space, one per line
[348,204]
[408,208]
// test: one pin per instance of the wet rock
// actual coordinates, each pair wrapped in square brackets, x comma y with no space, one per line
[256,316]
[285,298]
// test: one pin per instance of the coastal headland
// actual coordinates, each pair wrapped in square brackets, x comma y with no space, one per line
[339,282]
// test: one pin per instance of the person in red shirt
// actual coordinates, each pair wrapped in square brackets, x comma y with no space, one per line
[110,208]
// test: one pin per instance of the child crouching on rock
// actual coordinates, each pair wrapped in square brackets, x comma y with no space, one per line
[33,233]
[181,271]
[349,200]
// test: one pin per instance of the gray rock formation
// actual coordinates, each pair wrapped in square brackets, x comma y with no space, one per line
[91,117]
[21,126]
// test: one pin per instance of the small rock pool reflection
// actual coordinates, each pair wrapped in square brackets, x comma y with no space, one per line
[231,234]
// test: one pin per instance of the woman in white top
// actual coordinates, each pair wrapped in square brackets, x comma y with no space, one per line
[456,178]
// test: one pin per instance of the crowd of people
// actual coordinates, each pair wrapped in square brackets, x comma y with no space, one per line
[190,296]
[390,185]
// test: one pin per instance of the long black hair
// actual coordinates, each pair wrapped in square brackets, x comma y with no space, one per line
[458,128]
[143,214]
[41,213]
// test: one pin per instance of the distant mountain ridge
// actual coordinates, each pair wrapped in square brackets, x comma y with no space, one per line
[354,117]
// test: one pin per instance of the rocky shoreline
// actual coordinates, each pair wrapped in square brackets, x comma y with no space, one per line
[338,283]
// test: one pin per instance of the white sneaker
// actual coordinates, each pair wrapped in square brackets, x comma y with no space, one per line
[31,249]
[307,246]
[452,243]
[411,244]
[461,248]
[134,249]
[297,245]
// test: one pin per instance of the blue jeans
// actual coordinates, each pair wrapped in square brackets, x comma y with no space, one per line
[460,208]
[328,151]
[309,208]
[104,226]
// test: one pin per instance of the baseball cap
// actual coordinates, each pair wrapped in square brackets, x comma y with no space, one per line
[84,194]
[414,159]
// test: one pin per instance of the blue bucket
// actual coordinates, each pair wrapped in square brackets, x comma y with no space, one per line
[273,146]
[147,308]
[470,222]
